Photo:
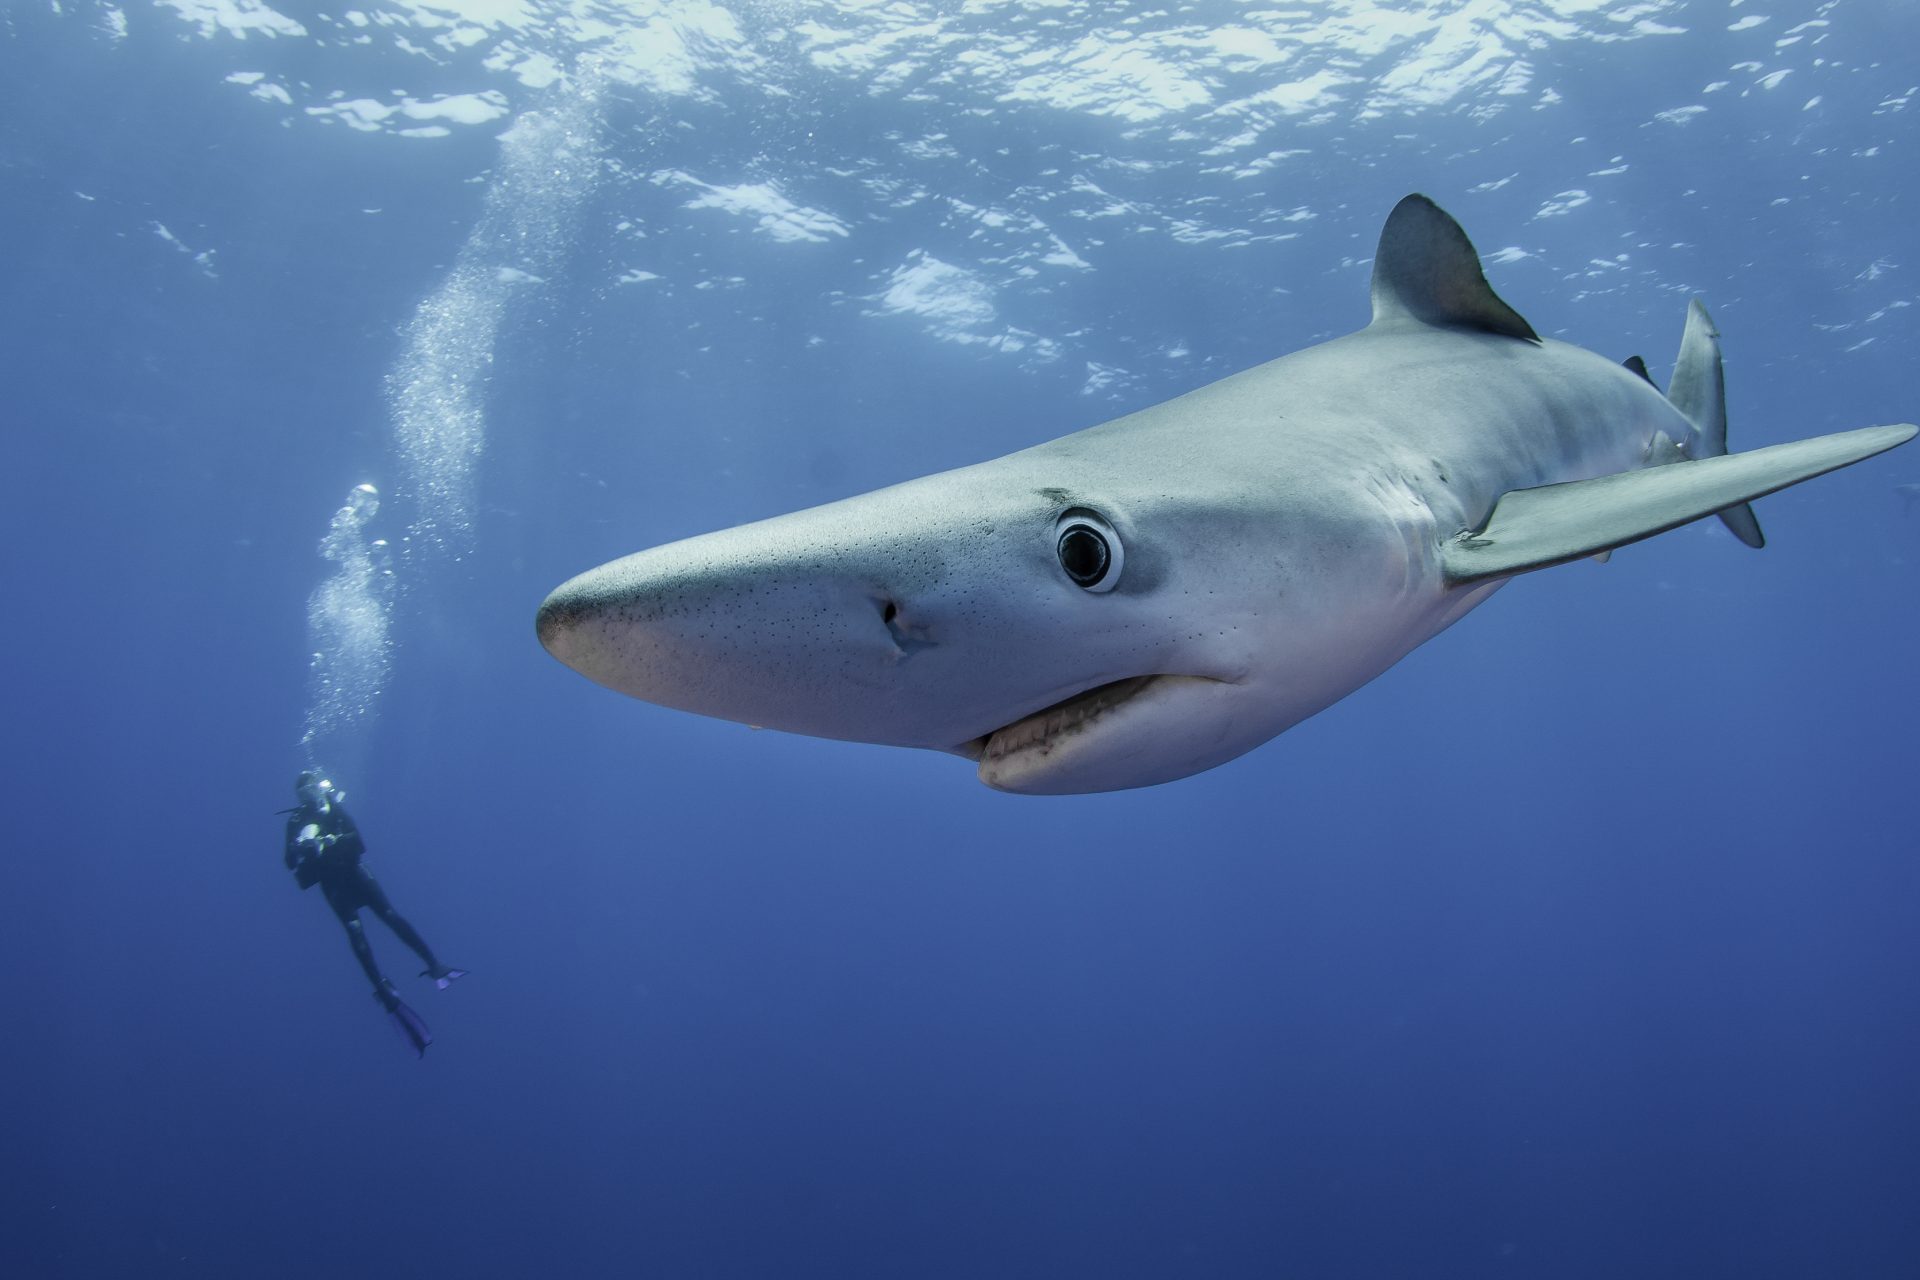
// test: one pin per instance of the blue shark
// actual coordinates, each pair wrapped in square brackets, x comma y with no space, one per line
[1149,598]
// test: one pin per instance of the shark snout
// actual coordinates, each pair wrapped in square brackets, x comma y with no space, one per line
[560,615]
[798,646]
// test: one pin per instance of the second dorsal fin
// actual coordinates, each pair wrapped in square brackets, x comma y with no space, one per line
[1426,272]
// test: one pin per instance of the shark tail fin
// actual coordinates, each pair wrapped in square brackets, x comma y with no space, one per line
[1699,392]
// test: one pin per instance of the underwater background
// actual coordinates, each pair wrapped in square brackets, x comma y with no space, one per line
[1581,944]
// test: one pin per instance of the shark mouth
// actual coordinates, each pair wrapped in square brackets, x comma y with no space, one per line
[1043,729]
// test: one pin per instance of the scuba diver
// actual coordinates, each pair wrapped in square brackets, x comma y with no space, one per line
[324,848]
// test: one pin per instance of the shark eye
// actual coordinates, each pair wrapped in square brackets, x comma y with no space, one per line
[1089,550]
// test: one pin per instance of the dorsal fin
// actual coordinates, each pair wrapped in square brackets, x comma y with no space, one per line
[1426,272]
[1636,365]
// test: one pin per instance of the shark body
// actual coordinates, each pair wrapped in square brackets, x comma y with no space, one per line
[1149,598]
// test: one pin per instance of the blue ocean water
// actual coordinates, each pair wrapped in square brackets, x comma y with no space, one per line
[1581,944]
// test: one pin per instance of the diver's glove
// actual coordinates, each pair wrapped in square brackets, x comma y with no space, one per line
[314,840]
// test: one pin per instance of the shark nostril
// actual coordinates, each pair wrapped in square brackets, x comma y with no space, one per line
[907,638]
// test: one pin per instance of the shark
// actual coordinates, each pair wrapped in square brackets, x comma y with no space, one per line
[1146,599]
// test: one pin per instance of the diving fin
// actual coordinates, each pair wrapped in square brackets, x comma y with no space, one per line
[442,975]
[410,1024]
[1553,524]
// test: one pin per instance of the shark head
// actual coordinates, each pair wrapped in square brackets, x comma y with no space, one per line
[1040,614]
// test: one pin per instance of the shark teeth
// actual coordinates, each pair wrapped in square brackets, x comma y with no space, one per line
[1043,729]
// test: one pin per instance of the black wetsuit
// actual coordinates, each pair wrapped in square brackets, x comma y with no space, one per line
[330,857]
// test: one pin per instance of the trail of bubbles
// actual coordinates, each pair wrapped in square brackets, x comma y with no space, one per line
[549,160]
[348,619]
[436,390]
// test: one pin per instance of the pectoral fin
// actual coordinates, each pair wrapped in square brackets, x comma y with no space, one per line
[1538,528]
